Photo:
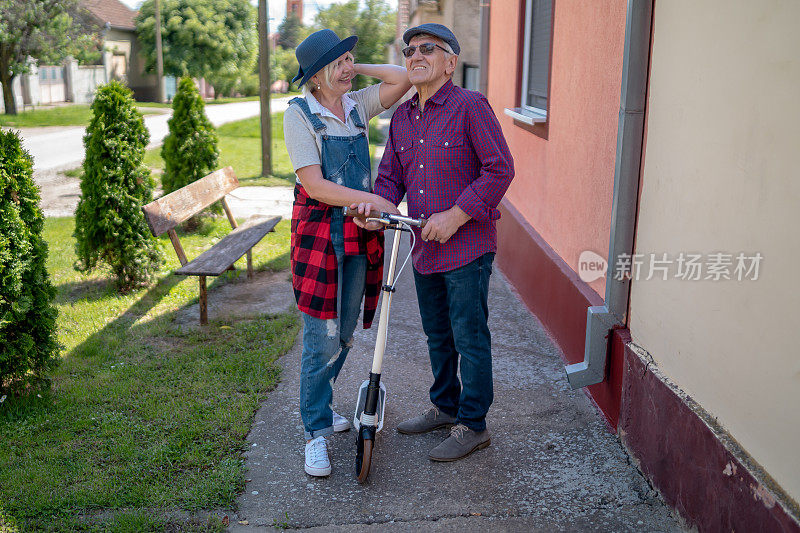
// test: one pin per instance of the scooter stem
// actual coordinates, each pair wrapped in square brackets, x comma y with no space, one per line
[383,323]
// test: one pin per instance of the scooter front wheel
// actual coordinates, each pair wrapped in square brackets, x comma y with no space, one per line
[363,457]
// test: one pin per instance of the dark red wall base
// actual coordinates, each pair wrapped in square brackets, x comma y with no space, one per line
[557,296]
[682,456]
[688,463]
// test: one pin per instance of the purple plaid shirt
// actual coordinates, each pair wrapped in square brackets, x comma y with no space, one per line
[453,153]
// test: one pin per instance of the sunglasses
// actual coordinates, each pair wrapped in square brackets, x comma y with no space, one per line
[425,49]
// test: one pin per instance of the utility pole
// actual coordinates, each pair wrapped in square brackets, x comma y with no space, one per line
[264,88]
[159,58]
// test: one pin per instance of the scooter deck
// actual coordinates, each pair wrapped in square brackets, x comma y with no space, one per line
[362,398]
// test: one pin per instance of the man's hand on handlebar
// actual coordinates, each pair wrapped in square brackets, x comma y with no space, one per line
[442,226]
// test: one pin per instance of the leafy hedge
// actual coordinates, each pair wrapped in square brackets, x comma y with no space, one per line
[190,150]
[109,223]
[28,345]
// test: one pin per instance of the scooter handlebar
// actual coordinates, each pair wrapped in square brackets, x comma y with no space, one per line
[384,218]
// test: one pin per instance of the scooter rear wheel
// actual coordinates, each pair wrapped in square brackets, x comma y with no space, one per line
[363,458]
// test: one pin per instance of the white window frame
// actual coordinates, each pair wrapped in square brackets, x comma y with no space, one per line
[527,113]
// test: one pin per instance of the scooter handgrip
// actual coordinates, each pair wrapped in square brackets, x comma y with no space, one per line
[355,214]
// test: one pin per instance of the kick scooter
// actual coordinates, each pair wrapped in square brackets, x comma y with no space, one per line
[370,407]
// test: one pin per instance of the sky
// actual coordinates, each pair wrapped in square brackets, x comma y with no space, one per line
[277,9]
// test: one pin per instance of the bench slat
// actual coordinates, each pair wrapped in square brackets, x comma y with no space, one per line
[215,261]
[172,209]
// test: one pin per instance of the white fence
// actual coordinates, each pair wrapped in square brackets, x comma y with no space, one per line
[70,82]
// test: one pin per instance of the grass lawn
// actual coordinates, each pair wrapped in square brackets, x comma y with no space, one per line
[68,115]
[80,115]
[240,147]
[145,424]
[228,100]
[223,100]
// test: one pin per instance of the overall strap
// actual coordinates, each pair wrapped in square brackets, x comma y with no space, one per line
[356,118]
[315,121]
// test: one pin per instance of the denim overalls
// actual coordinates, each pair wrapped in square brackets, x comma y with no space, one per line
[345,161]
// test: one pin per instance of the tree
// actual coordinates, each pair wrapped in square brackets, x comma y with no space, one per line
[289,31]
[190,150]
[374,25]
[283,64]
[213,40]
[27,315]
[109,224]
[37,29]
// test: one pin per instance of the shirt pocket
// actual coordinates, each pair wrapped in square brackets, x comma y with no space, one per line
[448,169]
[449,140]
[452,156]
[450,152]
[405,152]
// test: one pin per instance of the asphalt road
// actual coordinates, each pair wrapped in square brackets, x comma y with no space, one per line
[62,147]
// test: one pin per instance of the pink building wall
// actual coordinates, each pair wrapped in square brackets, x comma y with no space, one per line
[564,183]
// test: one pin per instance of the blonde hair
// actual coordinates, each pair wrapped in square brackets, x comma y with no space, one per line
[326,73]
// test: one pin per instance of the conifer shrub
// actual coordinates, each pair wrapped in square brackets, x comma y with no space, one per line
[110,227]
[190,150]
[28,345]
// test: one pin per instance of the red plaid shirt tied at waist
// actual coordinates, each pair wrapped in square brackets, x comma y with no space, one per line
[314,268]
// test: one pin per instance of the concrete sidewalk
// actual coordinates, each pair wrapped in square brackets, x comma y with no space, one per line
[552,465]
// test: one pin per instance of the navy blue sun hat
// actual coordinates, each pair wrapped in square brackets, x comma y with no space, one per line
[437,30]
[319,49]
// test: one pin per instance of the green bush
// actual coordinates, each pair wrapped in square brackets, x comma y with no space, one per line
[28,346]
[109,223]
[190,150]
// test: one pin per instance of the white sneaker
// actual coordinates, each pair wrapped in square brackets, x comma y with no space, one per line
[340,423]
[317,461]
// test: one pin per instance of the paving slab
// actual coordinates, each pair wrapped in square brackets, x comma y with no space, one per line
[553,464]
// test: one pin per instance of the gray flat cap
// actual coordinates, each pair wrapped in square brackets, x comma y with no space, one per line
[437,30]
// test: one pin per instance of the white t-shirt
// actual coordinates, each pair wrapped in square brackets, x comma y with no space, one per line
[305,145]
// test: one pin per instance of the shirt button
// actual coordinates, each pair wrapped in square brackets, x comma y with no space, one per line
[422,140]
[420,166]
[445,143]
[421,191]
[401,148]
[417,117]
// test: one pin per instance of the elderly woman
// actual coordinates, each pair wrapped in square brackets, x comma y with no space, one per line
[334,263]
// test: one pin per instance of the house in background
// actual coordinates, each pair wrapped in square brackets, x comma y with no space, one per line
[652,228]
[461,16]
[295,7]
[121,60]
[119,38]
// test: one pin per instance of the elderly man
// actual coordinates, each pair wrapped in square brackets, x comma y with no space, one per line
[446,152]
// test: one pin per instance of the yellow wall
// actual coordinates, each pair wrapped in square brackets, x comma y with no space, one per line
[722,174]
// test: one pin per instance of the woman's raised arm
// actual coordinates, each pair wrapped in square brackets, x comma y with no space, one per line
[394,80]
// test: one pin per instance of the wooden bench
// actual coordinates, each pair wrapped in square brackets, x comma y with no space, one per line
[170,210]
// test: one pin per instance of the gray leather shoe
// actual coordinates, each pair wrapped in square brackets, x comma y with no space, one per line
[432,419]
[461,442]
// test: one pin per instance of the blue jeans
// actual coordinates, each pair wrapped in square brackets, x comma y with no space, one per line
[454,309]
[327,342]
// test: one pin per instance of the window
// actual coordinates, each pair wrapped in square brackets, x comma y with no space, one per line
[51,74]
[471,78]
[535,64]
[537,55]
